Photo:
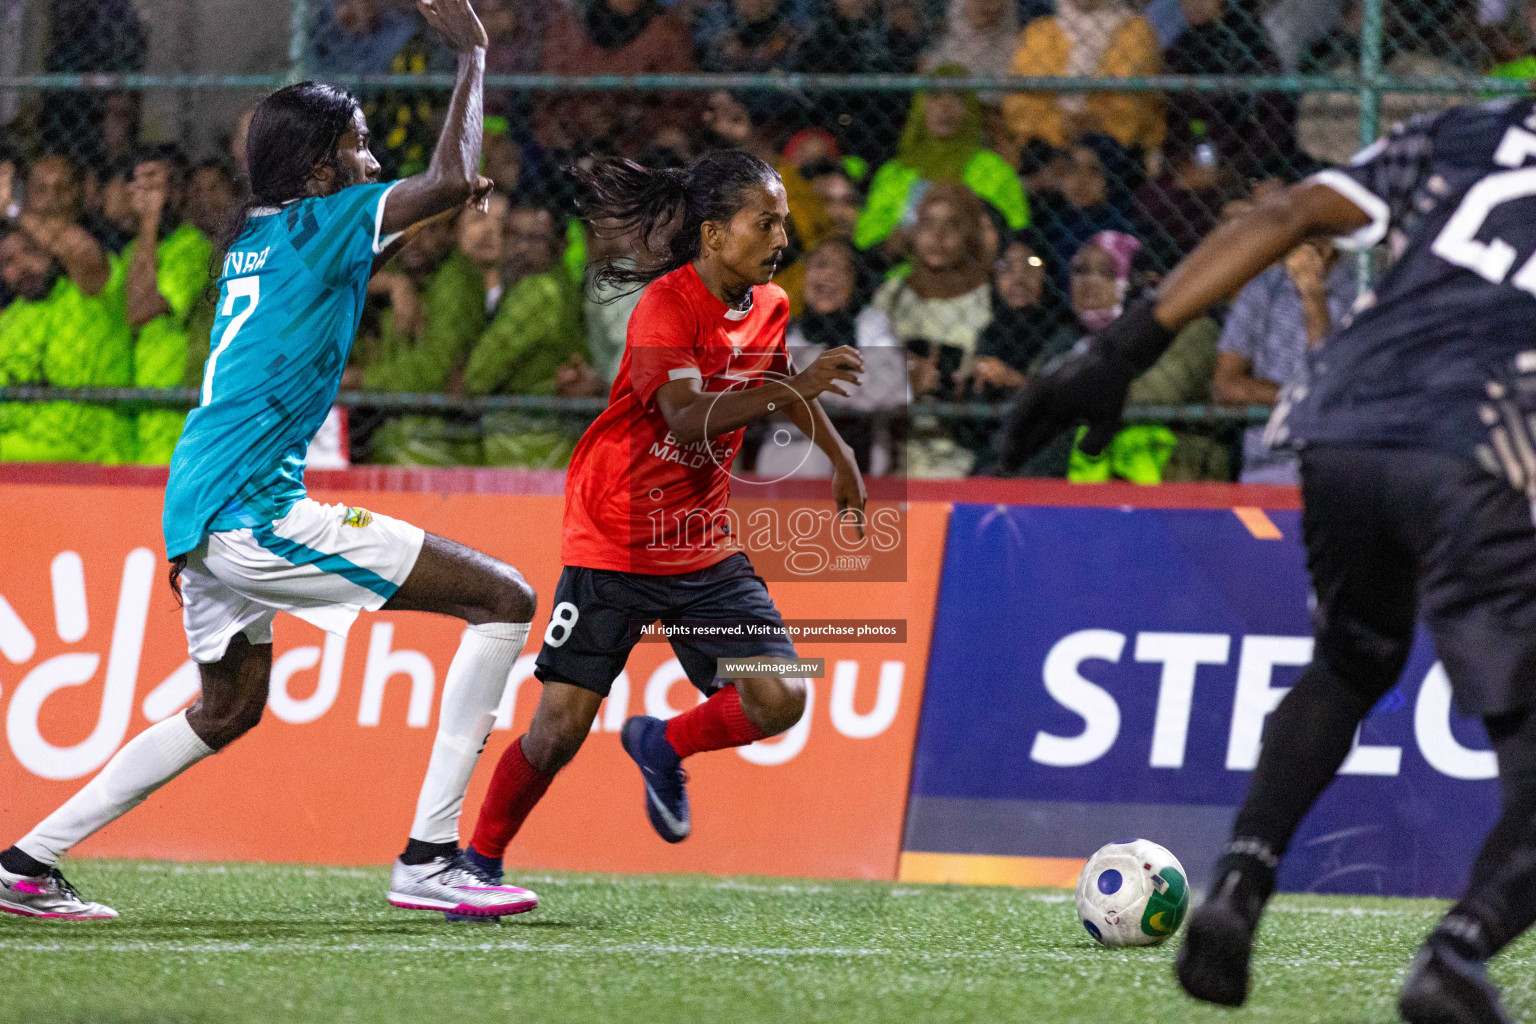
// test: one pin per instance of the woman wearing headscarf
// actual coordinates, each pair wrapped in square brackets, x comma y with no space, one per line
[1088,39]
[941,143]
[1027,316]
[855,37]
[835,291]
[1087,195]
[613,37]
[1106,273]
[938,311]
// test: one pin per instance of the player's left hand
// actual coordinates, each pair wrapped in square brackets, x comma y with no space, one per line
[480,194]
[1087,384]
[849,493]
[456,22]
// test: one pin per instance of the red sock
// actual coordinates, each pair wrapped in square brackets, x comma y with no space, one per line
[515,788]
[714,725]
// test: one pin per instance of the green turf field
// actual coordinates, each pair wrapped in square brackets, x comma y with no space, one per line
[252,943]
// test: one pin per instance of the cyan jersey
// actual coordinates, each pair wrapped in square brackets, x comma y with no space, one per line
[290,294]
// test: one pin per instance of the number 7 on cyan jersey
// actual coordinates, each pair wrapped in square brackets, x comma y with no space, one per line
[248,287]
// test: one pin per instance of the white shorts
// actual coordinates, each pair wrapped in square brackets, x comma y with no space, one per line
[322,563]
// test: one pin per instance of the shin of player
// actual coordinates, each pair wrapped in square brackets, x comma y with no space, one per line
[740,712]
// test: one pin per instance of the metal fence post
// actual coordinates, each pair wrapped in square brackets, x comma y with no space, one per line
[1370,107]
[298,41]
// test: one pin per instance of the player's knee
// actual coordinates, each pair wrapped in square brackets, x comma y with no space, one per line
[1362,660]
[777,706]
[553,740]
[514,599]
[220,726]
[1358,673]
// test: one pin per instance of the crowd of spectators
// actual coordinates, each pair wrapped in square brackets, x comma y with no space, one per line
[962,238]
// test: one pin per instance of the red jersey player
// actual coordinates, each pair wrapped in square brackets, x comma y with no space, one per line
[645,538]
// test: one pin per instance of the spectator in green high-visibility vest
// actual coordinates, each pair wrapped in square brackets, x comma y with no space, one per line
[165,276]
[1518,34]
[52,332]
[435,293]
[57,329]
[534,345]
[942,142]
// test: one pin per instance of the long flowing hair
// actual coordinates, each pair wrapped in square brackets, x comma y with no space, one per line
[663,209]
[294,130]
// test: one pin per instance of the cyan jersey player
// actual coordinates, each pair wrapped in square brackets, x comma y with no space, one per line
[244,540]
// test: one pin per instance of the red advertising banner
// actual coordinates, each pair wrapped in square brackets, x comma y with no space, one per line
[92,651]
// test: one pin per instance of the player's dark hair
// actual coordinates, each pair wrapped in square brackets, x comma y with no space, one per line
[294,130]
[663,208]
[173,577]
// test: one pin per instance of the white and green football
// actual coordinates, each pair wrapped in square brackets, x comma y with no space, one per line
[1132,894]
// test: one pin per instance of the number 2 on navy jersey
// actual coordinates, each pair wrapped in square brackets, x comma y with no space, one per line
[1457,242]
[237,287]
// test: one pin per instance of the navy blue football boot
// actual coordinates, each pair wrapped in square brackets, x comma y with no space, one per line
[666,783]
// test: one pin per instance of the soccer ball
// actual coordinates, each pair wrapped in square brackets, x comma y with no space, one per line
[1132,894]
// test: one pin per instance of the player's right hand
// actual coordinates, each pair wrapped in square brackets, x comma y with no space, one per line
[147,192]
[843,363]
[456,22]
[1085,385]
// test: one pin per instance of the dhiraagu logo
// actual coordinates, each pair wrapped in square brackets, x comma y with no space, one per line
[78,666]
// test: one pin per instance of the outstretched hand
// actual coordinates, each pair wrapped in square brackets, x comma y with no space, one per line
[456,22]
[843,363]
[1085,385]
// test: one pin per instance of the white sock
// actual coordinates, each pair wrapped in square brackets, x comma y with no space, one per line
[471,694]
[150,760]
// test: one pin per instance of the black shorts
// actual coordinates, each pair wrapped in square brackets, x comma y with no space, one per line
[593,625]
[1394,532]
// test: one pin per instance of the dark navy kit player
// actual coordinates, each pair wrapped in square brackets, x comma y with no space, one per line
[1418,470]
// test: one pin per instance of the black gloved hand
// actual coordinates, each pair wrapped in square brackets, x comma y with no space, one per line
[1087,384]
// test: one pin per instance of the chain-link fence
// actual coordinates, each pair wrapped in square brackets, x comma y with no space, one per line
[974,184]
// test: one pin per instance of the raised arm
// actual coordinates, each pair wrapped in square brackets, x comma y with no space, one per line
[77,252]
[147,197]
[451,177]
[1089,383]
[1239,250]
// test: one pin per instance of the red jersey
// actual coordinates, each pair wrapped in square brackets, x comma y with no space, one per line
[635,499]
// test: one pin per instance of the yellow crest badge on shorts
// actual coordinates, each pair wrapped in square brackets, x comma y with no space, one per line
[357,517]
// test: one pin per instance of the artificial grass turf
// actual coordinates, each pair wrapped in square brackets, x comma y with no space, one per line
[269,943]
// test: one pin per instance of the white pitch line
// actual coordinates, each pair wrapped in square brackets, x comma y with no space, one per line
[1290,908]
[444,948]
[1084,957]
